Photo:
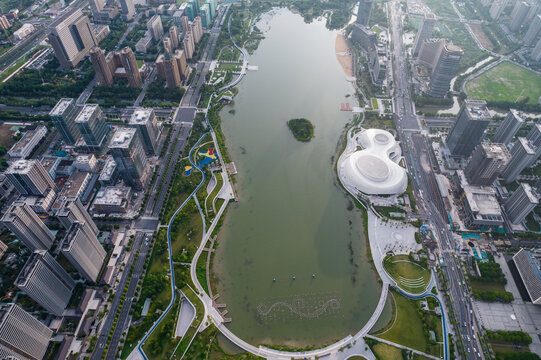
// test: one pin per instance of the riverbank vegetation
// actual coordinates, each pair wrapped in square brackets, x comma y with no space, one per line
[302,129]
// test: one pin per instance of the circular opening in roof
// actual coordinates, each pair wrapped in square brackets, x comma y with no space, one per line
[382,138]
[372,167]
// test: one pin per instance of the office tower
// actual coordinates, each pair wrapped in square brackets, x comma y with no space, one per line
[72,210]
[213,4]
[519,14]
[188,45]
[154,26]
[97,7]
[22,336]
[197,29]
[509,127]
[194,8]
[533,31]
[487,162]
[190,11]
[29,177]
[92,126]
[171,71]
[180,57]
[520,204]
[21,220]
[365,37]
[469,128]
[129,63]
[71,37]
[528,269]
[167,47]
[102,69]
[144,119]
[430,52]
[497,8]
[522,154]
[425,31]
[536,52]
[83,250]
[204,15]
[534,137]
[173,35]
[184,24]
[363,13]
[127,149]
[444,70]
[128,10]
[63,116]
[44,280]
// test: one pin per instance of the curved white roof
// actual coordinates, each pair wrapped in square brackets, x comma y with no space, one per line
[374,170]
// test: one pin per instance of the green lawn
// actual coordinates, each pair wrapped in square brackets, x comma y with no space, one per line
[387,352]
[217,188]
[441,8]
[410,276]
[506,82]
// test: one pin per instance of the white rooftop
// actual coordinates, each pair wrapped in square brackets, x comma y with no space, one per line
[61,106]
[87,112]
[141,116]
[122,137]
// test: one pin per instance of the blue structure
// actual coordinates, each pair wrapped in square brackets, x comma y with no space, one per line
[213,4]
[206,19]
[191,11]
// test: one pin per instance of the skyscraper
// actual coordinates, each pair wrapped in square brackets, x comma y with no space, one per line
[102,69]
[128,10]
[72,210]
[213,4]
[155,27]
[497,8]
[184,24]
[533,31]
[167,67]
[509,127]
[519,14]
[534,137]
[144,119]
[425,31]
[22,336]
[97,7]
[63,116]
[167,46]
[521,203]
[536,51]
[129,62]
[197,29]
[27,226]
[363,13]
[173,35]
[71,37]
[204,15]
[180,57]
[83,250]
[92,126]
[44,280]
[486,163]
[127,149]
[188,45]
[469,128]
[445,70]
[522,154]
[29,177]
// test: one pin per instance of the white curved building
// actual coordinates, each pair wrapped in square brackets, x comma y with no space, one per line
[374,169]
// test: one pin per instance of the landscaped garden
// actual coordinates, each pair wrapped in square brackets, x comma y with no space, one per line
[409,275]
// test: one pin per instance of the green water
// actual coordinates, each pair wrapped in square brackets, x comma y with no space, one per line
[292,219]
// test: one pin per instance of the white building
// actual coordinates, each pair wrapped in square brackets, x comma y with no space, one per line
[87,163]
[23,32]
[24,147]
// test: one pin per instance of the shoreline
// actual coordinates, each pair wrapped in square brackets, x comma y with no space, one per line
[343,55]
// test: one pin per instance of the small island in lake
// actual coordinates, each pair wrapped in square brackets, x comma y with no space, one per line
[302,129]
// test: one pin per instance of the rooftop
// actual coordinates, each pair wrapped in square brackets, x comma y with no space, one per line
[28,268]
[526,144]
[122,138]
[112,195]
[108,169]
[87,112]
[496,151]
[21,167]
[530,193]
[141,116]
[84,158]
[27,138]
[71,235]
[61,106]
[477,109]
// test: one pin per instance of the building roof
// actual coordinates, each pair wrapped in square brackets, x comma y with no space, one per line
[141,115]
[21,167]
[496,151]
[27,138]
[86,113]
[108,169]
[122,138]
[477,109]
[112,195]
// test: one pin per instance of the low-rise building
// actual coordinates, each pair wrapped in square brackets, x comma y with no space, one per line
[109,173]
[112,199]
[75,186]
[87,163]
[144,43]
[24,147]
[23,32]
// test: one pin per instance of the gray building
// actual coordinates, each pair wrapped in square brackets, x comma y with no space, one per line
[128,9]
[365,37]
[83,250]
[101,67]
[444,70]
[63,116]
[486,163]
[127,149]
[430,52]
[96,6]
[519,14]
[534,137]
[520,204]
[155,27]
[522,154]
[144,119]
[469,128]
[509,127]
[22,336]
[72,210]
[71,37]
[363,12]
[424,33]
[529,270]
[92,126]
[29,177]
[109,173]
[533,31]
[536,51]
[22,220]
[45,281]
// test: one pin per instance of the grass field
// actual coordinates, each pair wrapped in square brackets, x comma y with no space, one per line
[387,352]
[410,276]
[506,82]
[441,8]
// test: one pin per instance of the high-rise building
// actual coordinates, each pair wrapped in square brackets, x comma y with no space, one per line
[127,149]
[536,51]
[365,37]
[185,26]
[155,27]
[71,37]
[96,6]
[197,29]
[29,177]
[72,210]
[534,137]
[509,127]
[486,163]
[83,250]
[4,22]
[27,226]
[144,119]
[469,128]
[430,52]
[180,57]
[521,203]
[188,45]
[533,31]
[102,69]
[497,8]
[528,268]
[129,63]
[519,14]
[173,35]
[128,10]
[522,154]
[193,9]
[363,12]
[213,4]
[204,15]
[424,33]
[92,126]
[22,336]
[444,70]
[63,116]
[167,46]
[45,281]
